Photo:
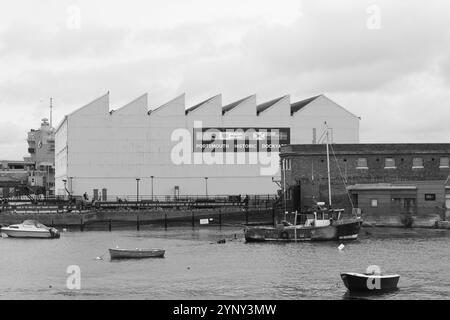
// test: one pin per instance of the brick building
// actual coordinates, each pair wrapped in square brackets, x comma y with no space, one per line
[389,182]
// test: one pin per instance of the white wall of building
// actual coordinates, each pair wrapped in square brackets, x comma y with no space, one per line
[97,148]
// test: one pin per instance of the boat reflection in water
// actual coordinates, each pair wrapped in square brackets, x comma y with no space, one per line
[318,225]
[30,229]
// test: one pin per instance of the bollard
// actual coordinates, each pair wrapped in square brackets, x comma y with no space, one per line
[137,223]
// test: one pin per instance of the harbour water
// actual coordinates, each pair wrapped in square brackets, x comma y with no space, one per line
[197,267]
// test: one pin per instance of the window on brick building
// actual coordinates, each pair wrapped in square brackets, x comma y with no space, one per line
[389,163]
[361,163]
[374,203]
[417,163]
[287,164]
[444,162]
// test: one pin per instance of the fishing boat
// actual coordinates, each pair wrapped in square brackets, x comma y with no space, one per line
[30,229]
[369,282]
[136,253]
[319,223]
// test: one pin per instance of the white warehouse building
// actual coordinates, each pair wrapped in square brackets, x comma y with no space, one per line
[207,149]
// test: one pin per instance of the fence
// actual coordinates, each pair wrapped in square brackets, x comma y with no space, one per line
[68,203]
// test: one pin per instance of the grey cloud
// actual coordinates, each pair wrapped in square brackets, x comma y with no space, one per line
[39,44]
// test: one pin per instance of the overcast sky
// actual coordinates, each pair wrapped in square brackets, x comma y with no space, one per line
[386,61]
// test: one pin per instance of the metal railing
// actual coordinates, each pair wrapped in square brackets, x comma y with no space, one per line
[79,203]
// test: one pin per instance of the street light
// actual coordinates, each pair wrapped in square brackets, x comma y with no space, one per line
[152,186]
[137,189]
[206,185]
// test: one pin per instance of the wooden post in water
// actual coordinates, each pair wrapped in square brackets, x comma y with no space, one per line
[193,219]
[137,223]
[295,226]
[246,215]
[165,220]
[81,224]
[109,225]
[220,218]
[273,215]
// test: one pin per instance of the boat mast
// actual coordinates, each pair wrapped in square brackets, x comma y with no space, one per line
[284,185]
[328,166]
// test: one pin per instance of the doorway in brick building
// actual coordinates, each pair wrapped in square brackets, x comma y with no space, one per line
[410,205]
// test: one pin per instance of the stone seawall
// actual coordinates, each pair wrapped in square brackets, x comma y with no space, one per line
[166,218]
[134,217]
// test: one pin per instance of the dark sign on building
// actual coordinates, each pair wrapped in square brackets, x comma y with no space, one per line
[240,139]
[430,197]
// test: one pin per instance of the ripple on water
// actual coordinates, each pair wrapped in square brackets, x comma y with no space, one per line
[196,267]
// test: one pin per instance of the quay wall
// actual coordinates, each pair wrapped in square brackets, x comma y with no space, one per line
[192,217]
[134,217]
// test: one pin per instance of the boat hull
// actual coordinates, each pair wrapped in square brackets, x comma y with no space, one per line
[136,254]
[345,230]
[11,233]
[356,282]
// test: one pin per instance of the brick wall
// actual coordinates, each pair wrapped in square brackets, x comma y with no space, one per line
[309,167]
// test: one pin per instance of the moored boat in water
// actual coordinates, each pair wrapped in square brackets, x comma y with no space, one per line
[319,225]
[30,229]
[136,253]
[370,282]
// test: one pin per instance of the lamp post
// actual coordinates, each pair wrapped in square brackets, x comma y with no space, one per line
[152,186]
[206,185]
[137,189]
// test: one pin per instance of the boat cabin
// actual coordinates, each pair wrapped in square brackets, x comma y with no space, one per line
[318,216]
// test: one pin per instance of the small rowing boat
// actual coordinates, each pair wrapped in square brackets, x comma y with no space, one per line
[370,282]
[136,253]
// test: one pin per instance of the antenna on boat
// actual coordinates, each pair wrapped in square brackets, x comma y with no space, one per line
[284,186]
[328,163]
